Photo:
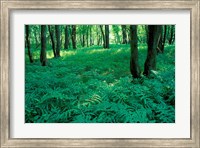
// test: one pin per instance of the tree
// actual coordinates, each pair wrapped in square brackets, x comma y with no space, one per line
[116,30]
[74,36]
[164,38]
[58,42]
[172,35]
[43,58]
[28,44]
[35,35]
[103,36]
[52,40]
[66,37]
[154,34]
[91,37]
[161,45]
[87,35]
[134,65]
[124,35]
[98,35]
[106,36]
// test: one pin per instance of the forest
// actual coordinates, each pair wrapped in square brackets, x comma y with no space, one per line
[99,73]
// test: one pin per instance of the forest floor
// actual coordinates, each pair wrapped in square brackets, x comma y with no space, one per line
[94,85]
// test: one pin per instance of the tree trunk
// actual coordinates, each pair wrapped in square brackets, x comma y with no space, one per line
[107,36]
[103,36]
[83,44]
[160,43]
[91,38]
[97,36]
[147,33]
[171,35]
[74,36]
[87,36]
[164,38]
[66,37]
[52,40]
[28,44]
[43,58]
[58,44]
[134,66]
[153,35]
[124,35]
[173,38]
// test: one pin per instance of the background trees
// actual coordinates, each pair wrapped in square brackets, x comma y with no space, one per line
[61,37]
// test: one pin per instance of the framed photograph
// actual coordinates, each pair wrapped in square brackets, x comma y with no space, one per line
[100,73]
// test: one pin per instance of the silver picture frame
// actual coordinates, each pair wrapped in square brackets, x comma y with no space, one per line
[7,6]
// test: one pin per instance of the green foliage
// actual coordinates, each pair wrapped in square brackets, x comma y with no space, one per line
[94,85]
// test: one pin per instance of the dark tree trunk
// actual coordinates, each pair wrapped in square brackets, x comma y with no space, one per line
[91,39]
[171,35]
[58,43]
[74,36]
[160,43]
[83,44]
[154,35]
[66,37]
[28,44]
[107,36]
[70,36]
[147,33]
[52,40]
[43,58]
[103,36]
[173,38]
[164,39]
[87,36]
[134,66]
[124,35]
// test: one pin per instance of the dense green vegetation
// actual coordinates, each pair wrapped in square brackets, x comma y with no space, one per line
[95,85]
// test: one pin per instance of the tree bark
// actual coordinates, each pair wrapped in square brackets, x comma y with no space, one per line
[164,39]
[103,36]
[43,58]
[124,35]
[107,36]
[171,35]
[91,38]
[87,36]
[58,43]
[28,44]
[134,65]
[159,47]
[52,40]
[74,36]
[153,35]
[66,37]
[83,44]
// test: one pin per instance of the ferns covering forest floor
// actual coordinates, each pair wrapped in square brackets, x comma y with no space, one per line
[94,85]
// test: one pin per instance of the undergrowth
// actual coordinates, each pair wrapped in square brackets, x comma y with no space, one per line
[94,85]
